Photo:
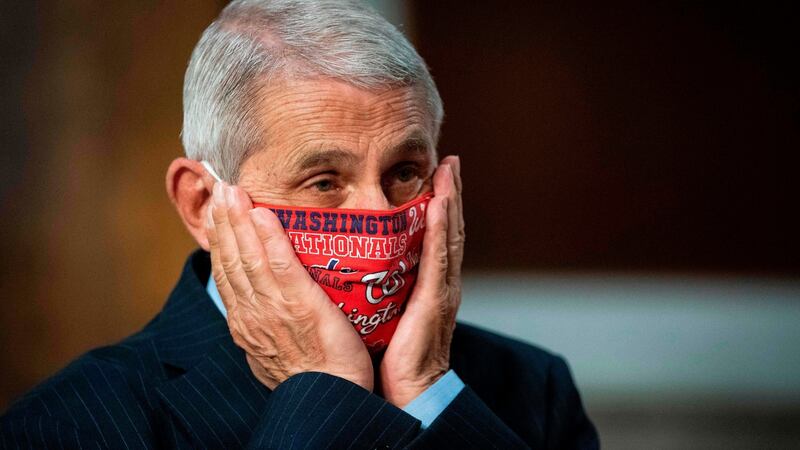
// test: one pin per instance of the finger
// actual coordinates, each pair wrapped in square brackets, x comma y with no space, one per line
[289,274]
[444,186]
[455,163]
[253,257]
[229,258]
[456,166]
[223,286]
[456,232]
[433,263]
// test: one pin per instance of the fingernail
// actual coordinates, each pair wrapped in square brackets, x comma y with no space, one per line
[257,216]
[219,197]
[448,169]
[209,216]
[230,195]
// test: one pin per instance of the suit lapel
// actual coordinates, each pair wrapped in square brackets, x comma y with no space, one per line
[218,402]
[212,393]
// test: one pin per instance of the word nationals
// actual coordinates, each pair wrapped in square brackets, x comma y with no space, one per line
[377,237]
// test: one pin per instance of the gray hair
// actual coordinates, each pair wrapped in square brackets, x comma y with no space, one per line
[254,41]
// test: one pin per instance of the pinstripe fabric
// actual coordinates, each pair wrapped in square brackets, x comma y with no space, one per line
[181,382]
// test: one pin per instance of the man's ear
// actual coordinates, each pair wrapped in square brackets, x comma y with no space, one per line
[189,188]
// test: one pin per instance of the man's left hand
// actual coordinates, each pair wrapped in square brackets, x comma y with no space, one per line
[419,352]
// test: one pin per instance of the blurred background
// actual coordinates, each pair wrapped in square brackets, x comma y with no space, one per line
[631,193]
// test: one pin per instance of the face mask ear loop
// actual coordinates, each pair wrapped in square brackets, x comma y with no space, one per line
[211,170]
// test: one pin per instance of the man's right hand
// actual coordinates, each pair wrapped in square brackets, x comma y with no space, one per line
[277,314]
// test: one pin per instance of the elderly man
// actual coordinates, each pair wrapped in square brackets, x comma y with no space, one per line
[320,312]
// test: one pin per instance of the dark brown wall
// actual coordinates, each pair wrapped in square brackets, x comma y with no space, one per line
[91,119]
[632,135]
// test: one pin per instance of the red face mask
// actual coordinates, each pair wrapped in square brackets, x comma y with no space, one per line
[366,261]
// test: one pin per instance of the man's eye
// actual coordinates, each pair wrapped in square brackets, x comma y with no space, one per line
[406,174]
[324,185]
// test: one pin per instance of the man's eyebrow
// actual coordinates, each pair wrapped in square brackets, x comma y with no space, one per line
[322,157]
[413,145]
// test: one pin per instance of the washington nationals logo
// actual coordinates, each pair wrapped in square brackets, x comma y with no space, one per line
[389,283]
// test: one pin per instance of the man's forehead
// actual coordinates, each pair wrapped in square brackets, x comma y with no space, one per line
[320,101]
[312,122]
[413,145]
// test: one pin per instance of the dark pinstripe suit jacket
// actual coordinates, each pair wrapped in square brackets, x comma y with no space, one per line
[181,382]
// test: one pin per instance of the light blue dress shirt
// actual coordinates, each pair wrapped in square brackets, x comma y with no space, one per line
[426,407]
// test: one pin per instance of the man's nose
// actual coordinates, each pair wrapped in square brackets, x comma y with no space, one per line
[368,197]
